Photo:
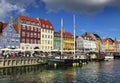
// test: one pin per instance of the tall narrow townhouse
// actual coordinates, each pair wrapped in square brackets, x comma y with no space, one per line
[85,43]
[29,30]
[47,35]
[110,44]
[9,36]
[68,41]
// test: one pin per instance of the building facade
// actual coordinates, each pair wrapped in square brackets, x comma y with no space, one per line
[67,40]
[47,35]
[85,43]
[29,30]
[57,40]
[110,45]
[9,36]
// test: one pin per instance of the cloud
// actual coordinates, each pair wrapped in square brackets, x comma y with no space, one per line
[18,6]
[83,30]
[82,6]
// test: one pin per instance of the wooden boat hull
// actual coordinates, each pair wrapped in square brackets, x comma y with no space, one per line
[64,62]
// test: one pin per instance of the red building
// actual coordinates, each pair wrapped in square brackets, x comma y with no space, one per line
[29,29]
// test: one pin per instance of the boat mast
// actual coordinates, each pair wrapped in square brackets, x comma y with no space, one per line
[61,36]
[74,33]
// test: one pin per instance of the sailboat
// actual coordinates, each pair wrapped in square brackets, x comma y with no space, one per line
[63,60]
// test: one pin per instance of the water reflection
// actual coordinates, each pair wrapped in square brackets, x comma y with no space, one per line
[93,72]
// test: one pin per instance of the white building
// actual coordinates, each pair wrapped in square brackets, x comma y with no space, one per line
[85,43]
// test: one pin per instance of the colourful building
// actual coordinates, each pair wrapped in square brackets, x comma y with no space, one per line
[57,40]
[47,35]
[85,43]
[29,30]
[9,36]
[110,44]
[67,40]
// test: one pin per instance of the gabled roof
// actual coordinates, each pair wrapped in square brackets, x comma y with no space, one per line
[45,23]
[42,22]
[16,28]
[96,35]
[65,34]
[5,25]
[107,39]
[27,18]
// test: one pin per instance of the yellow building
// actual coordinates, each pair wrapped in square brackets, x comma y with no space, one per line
[109,44]
[47,35]
[98,45]
[68,41]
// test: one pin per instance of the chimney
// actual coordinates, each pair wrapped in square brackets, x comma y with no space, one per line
[1,27]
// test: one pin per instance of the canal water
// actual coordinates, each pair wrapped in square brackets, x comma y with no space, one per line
[93,72]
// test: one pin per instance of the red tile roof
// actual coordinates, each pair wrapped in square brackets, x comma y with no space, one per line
[16,28]
[87,36]
[38,20]
[107,39]
[46,23]
[27,18]
[5,25]
[66,34]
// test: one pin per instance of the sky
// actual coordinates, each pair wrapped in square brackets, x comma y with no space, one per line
[97,16]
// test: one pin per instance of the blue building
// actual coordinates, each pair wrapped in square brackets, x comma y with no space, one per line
[9,36]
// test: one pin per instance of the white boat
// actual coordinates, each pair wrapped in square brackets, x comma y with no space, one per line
[109,57]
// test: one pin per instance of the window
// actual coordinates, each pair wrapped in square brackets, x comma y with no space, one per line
[23,48]
[37,24]
[31,28]
[27,22]
[17,41]
[27,34]
[42,30]
[27,27]
[38,35]
[45,36]
[43,25]
[8,40]
[23,27]
[33,23]
[35,35]
[42,35]
[31,34]
[45,41]
[27,41]
[46,30]
[38,29]
[23,40]
[48,36]
[48,41]
[23,33]
[46,26]
[13,40]
[35,29]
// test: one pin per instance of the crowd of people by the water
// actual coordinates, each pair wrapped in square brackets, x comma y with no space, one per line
[6,54]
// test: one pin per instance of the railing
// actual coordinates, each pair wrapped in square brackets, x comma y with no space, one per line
[12,62]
